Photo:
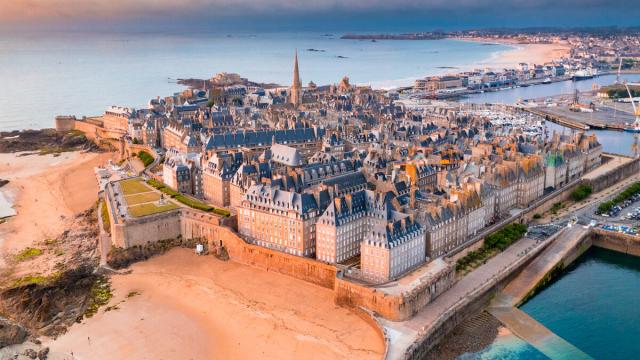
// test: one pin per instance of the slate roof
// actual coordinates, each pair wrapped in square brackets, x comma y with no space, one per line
[262,138]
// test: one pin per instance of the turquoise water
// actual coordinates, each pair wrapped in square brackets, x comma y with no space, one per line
[594,305]
[506,347]
[48,74]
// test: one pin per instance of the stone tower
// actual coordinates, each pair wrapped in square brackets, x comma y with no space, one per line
[296,87]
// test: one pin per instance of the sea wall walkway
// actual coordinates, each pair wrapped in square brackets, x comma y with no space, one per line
[563,252]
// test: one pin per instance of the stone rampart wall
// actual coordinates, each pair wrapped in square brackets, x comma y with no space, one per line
[614,176]
[151,228]
[298,267]
[394,307]
[130,149]
[95,132]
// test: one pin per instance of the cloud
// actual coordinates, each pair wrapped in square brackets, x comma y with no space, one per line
[18,11]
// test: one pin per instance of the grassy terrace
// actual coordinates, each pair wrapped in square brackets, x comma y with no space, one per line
[150,208]
[142,200]
[193,203]
[133,186]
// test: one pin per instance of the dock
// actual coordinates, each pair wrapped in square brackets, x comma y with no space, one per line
[558,119]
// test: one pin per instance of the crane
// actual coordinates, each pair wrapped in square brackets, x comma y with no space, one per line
[636,123]
[636,109]
[619,69]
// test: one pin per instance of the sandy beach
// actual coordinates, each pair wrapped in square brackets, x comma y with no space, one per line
[521,53]
[46,192]
[192,307]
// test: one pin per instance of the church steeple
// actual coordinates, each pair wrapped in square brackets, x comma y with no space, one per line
[296,87]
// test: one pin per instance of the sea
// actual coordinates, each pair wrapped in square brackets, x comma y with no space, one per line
[593,305]
[49,74]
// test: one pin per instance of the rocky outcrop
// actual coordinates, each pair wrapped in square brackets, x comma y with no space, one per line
[11,333]
[45,140]
[48,301]
[49,306]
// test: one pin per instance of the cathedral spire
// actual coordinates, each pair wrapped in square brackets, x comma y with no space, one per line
[296,87]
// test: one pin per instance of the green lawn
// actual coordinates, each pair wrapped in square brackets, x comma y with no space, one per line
[150,208]
[142,198]
[133,186]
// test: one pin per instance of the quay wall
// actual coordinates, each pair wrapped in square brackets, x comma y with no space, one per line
[575,252]
[395,307]
[623,243]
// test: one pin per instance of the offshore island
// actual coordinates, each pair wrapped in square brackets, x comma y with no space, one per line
[237,219]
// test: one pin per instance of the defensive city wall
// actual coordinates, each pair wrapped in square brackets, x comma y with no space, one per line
[217,232]
[395,307]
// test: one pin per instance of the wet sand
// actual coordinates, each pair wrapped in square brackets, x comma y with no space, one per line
[193,307]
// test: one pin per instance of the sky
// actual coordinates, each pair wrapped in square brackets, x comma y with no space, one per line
[324,15]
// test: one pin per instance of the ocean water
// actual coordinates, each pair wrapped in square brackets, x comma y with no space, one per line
[506,347]
[594,305]
[44,75]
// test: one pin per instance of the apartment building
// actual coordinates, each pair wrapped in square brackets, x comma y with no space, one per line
[393,248]
[278,219]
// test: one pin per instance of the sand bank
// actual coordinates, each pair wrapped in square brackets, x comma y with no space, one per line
[193,307]
[46,191]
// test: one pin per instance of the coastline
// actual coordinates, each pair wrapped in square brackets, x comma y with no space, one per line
[530,53]
[504,58]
